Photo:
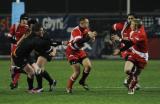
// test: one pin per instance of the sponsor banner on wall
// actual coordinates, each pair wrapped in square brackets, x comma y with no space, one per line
[59,28]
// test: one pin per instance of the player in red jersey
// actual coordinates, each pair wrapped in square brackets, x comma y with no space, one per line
[122,29]
[76,55]
[138,57]
[15,34]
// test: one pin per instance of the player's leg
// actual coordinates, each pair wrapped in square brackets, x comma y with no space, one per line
[76,71]
[137,72]
[128,69]
[14,75]
[87,68]
[41,62]
[132,79]
[128,72]
[30,77]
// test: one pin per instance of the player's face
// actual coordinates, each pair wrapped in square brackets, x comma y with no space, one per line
[133,25]
[130,18]
[23,22]
[41,32]
[84,23]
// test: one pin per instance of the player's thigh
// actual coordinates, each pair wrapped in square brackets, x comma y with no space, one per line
[128,66]
[12,63]
[86,62]
[29,69]
[76,68]
[41,61]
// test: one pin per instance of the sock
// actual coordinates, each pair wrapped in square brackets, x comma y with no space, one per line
[133,82]
[130,76]
[16,78]
[84,77]
[46,75]
[39,80]
[30,83]
[70,83]
[16,75]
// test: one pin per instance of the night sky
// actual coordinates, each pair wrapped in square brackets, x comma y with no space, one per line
[82,6]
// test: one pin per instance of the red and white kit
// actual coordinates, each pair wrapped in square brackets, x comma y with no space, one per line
[139,54]
[72,53]
[17,31]
[125,30]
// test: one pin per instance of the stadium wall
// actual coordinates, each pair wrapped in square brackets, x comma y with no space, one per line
[60,25]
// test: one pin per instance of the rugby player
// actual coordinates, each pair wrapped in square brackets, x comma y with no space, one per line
[76,55]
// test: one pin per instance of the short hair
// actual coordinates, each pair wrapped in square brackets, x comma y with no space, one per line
[32,21]
[36,27]
[82,18]
[24,16]
[132,14]
[138,22]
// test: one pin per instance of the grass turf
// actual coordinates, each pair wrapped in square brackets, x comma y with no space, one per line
[105,81]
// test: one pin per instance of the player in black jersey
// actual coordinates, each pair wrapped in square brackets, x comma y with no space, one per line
[41,60]
[43,46]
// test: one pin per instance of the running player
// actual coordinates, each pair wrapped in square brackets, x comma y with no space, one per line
[76,55]
[138,57]
[122,29]
[16,32]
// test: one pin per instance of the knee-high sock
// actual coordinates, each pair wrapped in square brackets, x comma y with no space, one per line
[84,77]
[70,82]
[134,80]
[16,75]
[39,80]
[30,82]
[46,75]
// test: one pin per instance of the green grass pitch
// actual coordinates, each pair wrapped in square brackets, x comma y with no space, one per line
[105,81]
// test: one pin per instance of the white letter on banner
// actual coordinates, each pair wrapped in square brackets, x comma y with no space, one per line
[47,23]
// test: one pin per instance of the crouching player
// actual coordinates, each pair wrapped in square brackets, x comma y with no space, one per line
[138,57]
[76,55]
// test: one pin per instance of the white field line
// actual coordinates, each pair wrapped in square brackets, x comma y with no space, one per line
[151,87]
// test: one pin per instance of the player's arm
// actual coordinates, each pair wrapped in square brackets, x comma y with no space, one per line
[127,43]
[20,40]
[28,33]
[11,35]
[46,46]
[56,43]
[138,38]
[53,52]
[116,28]
[78,43]
[130,42]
